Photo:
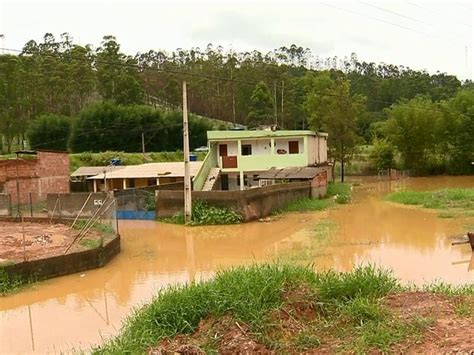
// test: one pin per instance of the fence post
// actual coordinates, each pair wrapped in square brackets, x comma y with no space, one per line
[31,205]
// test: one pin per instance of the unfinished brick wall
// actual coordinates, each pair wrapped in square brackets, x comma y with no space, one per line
[47,173]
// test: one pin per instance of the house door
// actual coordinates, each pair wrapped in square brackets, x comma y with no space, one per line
[293,147]
[222,150]
[224,182]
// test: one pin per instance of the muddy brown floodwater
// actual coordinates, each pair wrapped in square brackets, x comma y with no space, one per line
[76,311]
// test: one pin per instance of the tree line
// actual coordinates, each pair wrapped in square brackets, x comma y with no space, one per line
[354,101]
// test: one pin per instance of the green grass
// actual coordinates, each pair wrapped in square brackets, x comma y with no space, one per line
[249,294]
[103,158]
[10,284]
[452,201]
[90,243]
[100,227]
[336,193]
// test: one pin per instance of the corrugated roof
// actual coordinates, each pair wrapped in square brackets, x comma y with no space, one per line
[150,170]
[94,170]
[223,135]
[307,172]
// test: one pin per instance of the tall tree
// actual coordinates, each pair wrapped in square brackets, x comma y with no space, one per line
[333,109]
[261,106]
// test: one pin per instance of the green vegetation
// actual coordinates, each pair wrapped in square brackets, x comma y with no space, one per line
[452,201]
[426,120]
[203,214]
[48,131]
[104,125]
[90,243]
[286,308]
[10,284]
[104,158]
[100,227]
[337,192]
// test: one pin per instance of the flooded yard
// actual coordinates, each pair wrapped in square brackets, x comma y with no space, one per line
[76,311]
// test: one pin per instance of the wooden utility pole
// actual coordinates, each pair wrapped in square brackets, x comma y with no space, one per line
[143,145]
[282,92]
[275,101]
[187,175]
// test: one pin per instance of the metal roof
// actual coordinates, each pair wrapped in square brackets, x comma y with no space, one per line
[149,170]
[223,135]
[307,172]
[93,170]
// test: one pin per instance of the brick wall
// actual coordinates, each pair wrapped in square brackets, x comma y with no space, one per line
[48,173]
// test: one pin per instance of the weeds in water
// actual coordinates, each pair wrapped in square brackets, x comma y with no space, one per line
[10,284]
[203,214]
[307,204]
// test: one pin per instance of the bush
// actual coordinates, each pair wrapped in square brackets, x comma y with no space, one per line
[107,126]
[383,155]
[203,214]
[49,132]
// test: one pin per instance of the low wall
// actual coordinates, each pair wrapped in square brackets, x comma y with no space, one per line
[251,204]
[5,205]
[65,264]
[70,204]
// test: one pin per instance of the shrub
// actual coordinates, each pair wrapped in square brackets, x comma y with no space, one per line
[49,132]
[203,214]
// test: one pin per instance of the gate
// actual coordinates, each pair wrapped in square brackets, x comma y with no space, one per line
[136,204]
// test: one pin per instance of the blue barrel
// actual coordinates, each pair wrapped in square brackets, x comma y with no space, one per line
[193,157]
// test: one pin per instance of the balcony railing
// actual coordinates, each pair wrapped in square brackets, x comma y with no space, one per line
[229,162]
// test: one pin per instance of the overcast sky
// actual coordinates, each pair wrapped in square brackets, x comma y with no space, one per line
[437,36]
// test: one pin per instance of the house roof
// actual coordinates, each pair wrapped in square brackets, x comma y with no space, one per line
[94,170]
[307,172]
[224,135]
[150,170]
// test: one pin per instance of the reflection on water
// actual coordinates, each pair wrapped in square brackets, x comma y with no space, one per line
[77,310]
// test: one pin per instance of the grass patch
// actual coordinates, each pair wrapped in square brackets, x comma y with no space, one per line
[10,284]
[452,201]
[100,227]
[104,158]
[90,243]
[337,192]
[250,294]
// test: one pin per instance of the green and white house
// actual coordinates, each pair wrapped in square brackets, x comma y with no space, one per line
[236,158]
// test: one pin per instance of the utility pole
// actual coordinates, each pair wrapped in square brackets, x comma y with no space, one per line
[275,101]
[187,175]
[143,145]
[233,94]
[282,92]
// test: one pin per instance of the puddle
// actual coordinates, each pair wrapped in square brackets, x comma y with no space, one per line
[75,311]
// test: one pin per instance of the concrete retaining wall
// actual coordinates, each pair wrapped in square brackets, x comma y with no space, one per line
[65,264]
[5,205]
[70,204]
[252,203]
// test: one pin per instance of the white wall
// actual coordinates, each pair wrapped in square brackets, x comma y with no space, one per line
[231,147]
[259,146]
[282,143]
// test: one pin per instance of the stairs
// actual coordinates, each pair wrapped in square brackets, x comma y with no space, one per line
[211,179]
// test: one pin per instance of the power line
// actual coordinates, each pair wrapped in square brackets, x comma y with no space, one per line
[393,12]
[373,18]
[437,12]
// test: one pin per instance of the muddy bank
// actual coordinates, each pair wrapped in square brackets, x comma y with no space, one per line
[288,309]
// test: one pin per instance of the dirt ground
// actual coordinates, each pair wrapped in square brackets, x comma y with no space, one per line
[449,333]
[41,240]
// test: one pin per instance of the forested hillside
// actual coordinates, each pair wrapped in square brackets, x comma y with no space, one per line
[356,102]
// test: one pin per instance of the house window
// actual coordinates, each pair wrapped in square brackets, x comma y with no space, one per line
[246,149]
[293,147]
[151,182]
